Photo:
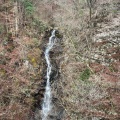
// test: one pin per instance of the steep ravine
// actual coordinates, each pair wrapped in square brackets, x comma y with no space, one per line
[85,78]
[55,59]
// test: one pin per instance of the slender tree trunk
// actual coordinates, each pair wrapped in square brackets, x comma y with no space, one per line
[90,12]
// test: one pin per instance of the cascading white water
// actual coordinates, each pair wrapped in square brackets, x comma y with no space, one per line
[46,107]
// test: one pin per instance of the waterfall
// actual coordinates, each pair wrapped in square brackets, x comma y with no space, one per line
[46,107]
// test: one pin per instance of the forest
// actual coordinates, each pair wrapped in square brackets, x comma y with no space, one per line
[59,59]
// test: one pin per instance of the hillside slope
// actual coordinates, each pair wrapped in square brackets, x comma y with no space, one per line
[86,75]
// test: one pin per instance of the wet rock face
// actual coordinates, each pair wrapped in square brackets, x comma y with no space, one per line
[55,54]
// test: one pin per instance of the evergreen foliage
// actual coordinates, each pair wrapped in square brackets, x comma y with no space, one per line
[29,8]
[85,74]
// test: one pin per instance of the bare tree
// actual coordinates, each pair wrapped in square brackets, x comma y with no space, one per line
[90,4]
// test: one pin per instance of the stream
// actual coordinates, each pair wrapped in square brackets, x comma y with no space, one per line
[47,105]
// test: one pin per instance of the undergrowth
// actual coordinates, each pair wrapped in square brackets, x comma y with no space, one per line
[85,74]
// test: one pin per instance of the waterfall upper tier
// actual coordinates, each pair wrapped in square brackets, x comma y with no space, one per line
[46,107]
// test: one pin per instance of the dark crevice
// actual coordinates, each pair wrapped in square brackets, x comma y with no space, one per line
[38,95]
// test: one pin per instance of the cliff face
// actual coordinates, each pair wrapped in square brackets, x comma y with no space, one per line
[55,59]
[86,63]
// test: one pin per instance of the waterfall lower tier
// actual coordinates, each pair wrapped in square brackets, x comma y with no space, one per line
[46,107]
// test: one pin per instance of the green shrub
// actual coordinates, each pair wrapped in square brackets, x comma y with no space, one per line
[29,8]
[85,74]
